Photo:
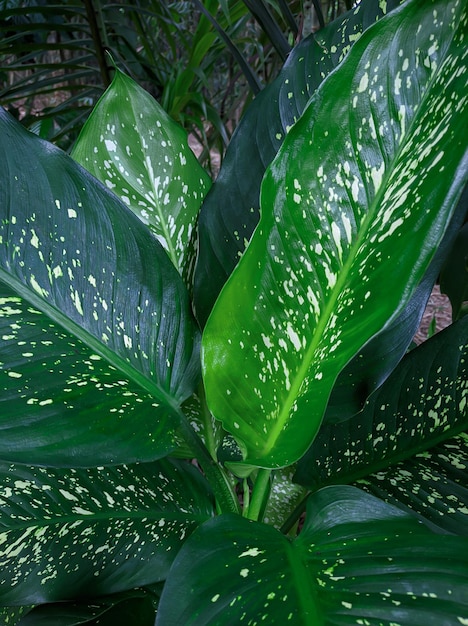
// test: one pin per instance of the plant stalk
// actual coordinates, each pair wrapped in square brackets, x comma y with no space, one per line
[259,493]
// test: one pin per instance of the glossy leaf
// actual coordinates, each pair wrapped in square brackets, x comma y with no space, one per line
[340,248]
[87,533]
[90,278]
[371,366]
[423,402]
[132,145]
[357,560]
[230,211]
[432,484]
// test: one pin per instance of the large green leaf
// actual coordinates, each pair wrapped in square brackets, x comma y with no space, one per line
[370,367]
[85,533]
[356,561]
[85,278]
[349,224]
[230,211]
[423,402]
[132,145]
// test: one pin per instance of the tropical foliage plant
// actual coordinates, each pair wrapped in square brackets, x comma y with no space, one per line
[210,408]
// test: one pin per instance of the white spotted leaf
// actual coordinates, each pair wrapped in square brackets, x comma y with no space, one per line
[91,532]
[423,402]
[132,145]
[432,484]
[55,391]
[357,560]
[230,211]
[354,207]
[82,276]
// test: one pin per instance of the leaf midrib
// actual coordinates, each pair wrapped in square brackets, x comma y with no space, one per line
[88,339]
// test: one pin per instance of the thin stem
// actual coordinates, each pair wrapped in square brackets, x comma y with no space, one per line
[207,419]
[259,493]
[246,502]
[295,515]
[226,498]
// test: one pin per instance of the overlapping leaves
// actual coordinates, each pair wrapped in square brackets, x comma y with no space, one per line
[230,211]
[85,280]
[356,560]
[351,185]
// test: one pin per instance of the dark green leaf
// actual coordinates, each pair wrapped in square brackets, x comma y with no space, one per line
[86,533]
[231,209]
[432,484]
[340,248]
[423,402]
[103,286]
[356,561]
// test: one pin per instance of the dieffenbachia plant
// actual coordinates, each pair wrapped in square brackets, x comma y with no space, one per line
[155,473]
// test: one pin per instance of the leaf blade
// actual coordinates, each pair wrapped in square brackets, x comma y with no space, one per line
[93,532]
[47,223]
[330,247]
[357,558]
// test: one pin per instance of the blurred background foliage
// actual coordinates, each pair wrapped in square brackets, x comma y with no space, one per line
[204,60]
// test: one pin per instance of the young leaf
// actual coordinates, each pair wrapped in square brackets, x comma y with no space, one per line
[423,402]
[352,213]
[357,560]
[132,145]
[230,211]
[87,533]
[82,265]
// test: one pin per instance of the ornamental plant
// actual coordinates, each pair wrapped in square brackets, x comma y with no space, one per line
[210,409]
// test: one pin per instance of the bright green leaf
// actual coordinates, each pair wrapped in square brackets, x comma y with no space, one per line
[132,145]
[349,225]
[86,533]
[356,561]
